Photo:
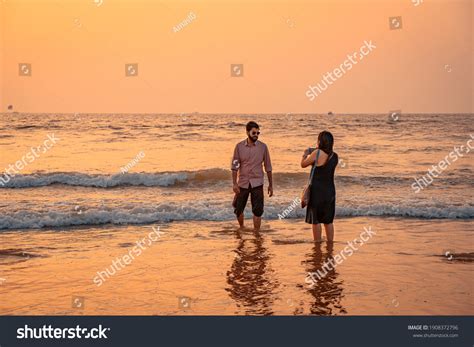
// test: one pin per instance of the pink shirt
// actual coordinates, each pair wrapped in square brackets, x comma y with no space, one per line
[248,160]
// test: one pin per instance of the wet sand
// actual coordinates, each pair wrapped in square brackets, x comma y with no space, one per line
[410,267]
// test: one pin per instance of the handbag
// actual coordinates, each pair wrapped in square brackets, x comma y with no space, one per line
[307,190]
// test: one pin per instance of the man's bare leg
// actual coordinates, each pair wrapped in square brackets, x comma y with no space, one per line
[257,221]
[329,232]
[317,233]
[240,218]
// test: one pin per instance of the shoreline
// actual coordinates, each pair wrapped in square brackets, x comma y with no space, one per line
[248,218]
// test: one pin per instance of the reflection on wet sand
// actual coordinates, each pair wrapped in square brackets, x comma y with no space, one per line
[11,256]
[327,290]
[250,277]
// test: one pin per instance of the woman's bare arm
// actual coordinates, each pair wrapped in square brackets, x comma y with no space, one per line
[308,159]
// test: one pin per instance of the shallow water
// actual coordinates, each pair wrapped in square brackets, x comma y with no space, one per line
[210,268]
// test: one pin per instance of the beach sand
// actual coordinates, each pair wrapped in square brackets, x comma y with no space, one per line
[409,267]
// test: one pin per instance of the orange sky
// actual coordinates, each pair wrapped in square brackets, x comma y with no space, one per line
[78,50]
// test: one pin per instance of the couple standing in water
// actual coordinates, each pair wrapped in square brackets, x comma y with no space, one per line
[248,178]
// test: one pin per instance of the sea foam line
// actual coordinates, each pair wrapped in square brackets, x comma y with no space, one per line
[207,211]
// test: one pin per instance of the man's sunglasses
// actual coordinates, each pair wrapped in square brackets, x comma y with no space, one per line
[255,133]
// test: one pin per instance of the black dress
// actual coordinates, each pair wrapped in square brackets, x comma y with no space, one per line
[322,201]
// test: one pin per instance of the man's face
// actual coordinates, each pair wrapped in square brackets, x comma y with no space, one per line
[253,134]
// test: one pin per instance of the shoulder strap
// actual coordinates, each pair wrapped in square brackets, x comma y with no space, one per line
[313,169]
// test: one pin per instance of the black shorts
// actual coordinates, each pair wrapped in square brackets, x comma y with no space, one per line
[256,197]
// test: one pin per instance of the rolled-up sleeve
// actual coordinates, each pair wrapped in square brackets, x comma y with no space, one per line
[234,166]
[266,160]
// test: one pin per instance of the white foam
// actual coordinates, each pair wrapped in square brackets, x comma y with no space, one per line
[204,211]
[102,181]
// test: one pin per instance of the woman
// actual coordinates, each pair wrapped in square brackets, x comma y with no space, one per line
[322,202]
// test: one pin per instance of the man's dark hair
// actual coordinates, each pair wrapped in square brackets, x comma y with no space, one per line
[250,125]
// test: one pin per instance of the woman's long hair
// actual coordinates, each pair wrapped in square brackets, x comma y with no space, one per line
[326,142]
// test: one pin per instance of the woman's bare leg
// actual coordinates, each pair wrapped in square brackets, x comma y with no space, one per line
[329,232]
[317,232]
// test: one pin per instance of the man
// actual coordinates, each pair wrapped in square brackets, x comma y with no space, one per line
[247,175]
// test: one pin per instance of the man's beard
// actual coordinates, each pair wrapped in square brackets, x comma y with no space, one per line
[253,139]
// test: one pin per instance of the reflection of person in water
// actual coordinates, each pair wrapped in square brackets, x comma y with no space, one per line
[326,289]
[250,280]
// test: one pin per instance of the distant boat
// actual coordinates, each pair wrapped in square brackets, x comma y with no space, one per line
[10,109]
